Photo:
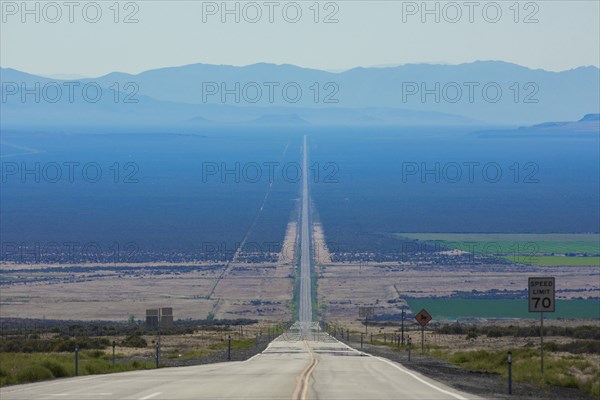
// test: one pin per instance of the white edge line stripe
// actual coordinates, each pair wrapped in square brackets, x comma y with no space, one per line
[456,396]
[150,396]
[35,385]
[253,357]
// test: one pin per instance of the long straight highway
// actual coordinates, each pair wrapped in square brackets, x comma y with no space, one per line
[305,306]
[303,363]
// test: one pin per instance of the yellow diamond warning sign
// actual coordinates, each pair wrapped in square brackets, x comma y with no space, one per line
[423,317]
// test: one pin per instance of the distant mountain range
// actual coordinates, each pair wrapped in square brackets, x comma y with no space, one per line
[589,122]
[199,95]
[588,126]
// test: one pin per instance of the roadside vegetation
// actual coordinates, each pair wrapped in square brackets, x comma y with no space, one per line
[574,332]
[29,354]
[572,371]
[18,368]
[572,352]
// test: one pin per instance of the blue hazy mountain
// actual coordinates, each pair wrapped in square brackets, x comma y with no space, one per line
[129,108]
[590,117]
[589,122]
[419,94]
[527,95]
[587,126]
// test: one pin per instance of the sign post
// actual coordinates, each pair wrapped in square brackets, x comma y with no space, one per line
[542,299]
[542,342]
[423,318]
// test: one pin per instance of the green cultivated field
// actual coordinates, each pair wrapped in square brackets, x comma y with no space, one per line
[534,249]
[549,261]
[502,308]
[514,237]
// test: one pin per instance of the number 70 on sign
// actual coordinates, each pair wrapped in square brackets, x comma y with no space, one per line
[542,294]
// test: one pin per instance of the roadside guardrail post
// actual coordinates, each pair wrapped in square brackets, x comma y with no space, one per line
[409,347]
[402,328]
[76,360]
[113,355]
[509,372]
[156,358]
[361,340]
[229,348]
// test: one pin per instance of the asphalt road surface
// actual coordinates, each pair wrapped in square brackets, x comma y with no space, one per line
[305,306]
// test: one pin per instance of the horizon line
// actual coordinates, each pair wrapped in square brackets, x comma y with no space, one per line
[332,71]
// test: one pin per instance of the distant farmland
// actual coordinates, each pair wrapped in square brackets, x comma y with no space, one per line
[445,308]
[533,249]
[551,261]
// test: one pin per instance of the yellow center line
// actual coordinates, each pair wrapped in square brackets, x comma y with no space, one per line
[301,390]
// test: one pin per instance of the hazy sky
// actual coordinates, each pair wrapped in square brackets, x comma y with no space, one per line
[367,33]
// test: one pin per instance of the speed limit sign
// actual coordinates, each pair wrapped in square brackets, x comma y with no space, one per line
[541,294]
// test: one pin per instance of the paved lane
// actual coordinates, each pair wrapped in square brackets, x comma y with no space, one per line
[305,306]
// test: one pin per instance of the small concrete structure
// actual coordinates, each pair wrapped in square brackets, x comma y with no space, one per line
[152,318]
[166,317]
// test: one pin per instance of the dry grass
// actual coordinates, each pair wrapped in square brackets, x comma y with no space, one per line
[256,290]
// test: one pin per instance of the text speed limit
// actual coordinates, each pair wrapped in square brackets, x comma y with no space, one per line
[541,294]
